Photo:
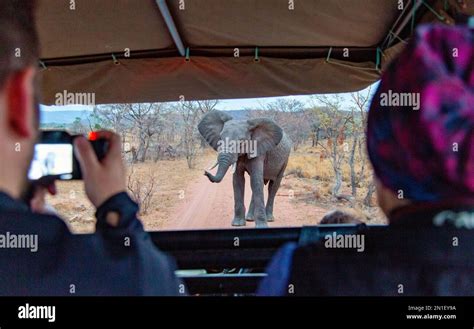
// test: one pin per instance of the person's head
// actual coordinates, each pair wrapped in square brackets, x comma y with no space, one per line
[420,134]
[341,217]
[19,53]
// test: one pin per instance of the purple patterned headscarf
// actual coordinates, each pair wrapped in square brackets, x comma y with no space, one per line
[420,134]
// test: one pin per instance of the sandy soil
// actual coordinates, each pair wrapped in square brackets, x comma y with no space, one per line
[208,205]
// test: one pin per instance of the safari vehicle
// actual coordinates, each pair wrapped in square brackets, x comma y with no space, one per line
[127,52]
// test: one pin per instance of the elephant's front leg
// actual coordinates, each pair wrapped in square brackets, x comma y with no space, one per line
[250,215]
[239,192]
[259,213]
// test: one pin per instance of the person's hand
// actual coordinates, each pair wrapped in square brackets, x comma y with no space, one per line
[38,201]
[106,178]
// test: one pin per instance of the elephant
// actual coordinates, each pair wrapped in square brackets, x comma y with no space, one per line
[256,146]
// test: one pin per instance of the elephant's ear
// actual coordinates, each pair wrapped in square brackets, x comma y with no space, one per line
[266,133]
[211,126]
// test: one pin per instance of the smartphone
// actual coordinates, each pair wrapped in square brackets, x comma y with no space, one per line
[54,155]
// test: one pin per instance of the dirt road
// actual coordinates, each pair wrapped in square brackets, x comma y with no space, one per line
[207,205]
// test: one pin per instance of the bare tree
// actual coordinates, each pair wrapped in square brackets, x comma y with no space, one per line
[113,117]
[355,138]
[147,121]
[142,190]
[291,115]
[191,113]
[359,123]
[370,192]
[94,120]
[207,105]
[334,122]
[77,127]
[166,140]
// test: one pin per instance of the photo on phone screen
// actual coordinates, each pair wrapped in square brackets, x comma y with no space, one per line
[52,159]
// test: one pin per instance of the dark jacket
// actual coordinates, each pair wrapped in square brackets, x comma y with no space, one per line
[114,261]
[427,250]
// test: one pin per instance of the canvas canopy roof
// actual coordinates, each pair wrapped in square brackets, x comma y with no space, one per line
[123,51]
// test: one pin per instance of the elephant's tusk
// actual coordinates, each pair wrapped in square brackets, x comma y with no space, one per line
[210,168]
[234,167]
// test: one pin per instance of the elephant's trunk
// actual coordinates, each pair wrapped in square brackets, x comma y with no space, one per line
[224,161]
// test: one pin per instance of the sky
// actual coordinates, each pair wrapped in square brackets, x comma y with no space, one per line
[223,105]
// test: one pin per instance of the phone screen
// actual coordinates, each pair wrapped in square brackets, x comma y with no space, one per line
[52,159]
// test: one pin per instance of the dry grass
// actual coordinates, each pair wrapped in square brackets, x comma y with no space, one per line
[312,176]
[306,162]
[306,165]
[172,178]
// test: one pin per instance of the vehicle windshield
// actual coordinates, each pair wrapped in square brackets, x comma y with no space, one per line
[326,177]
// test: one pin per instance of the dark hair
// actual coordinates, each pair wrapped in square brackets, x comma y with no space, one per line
[19,46]
[339,217]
